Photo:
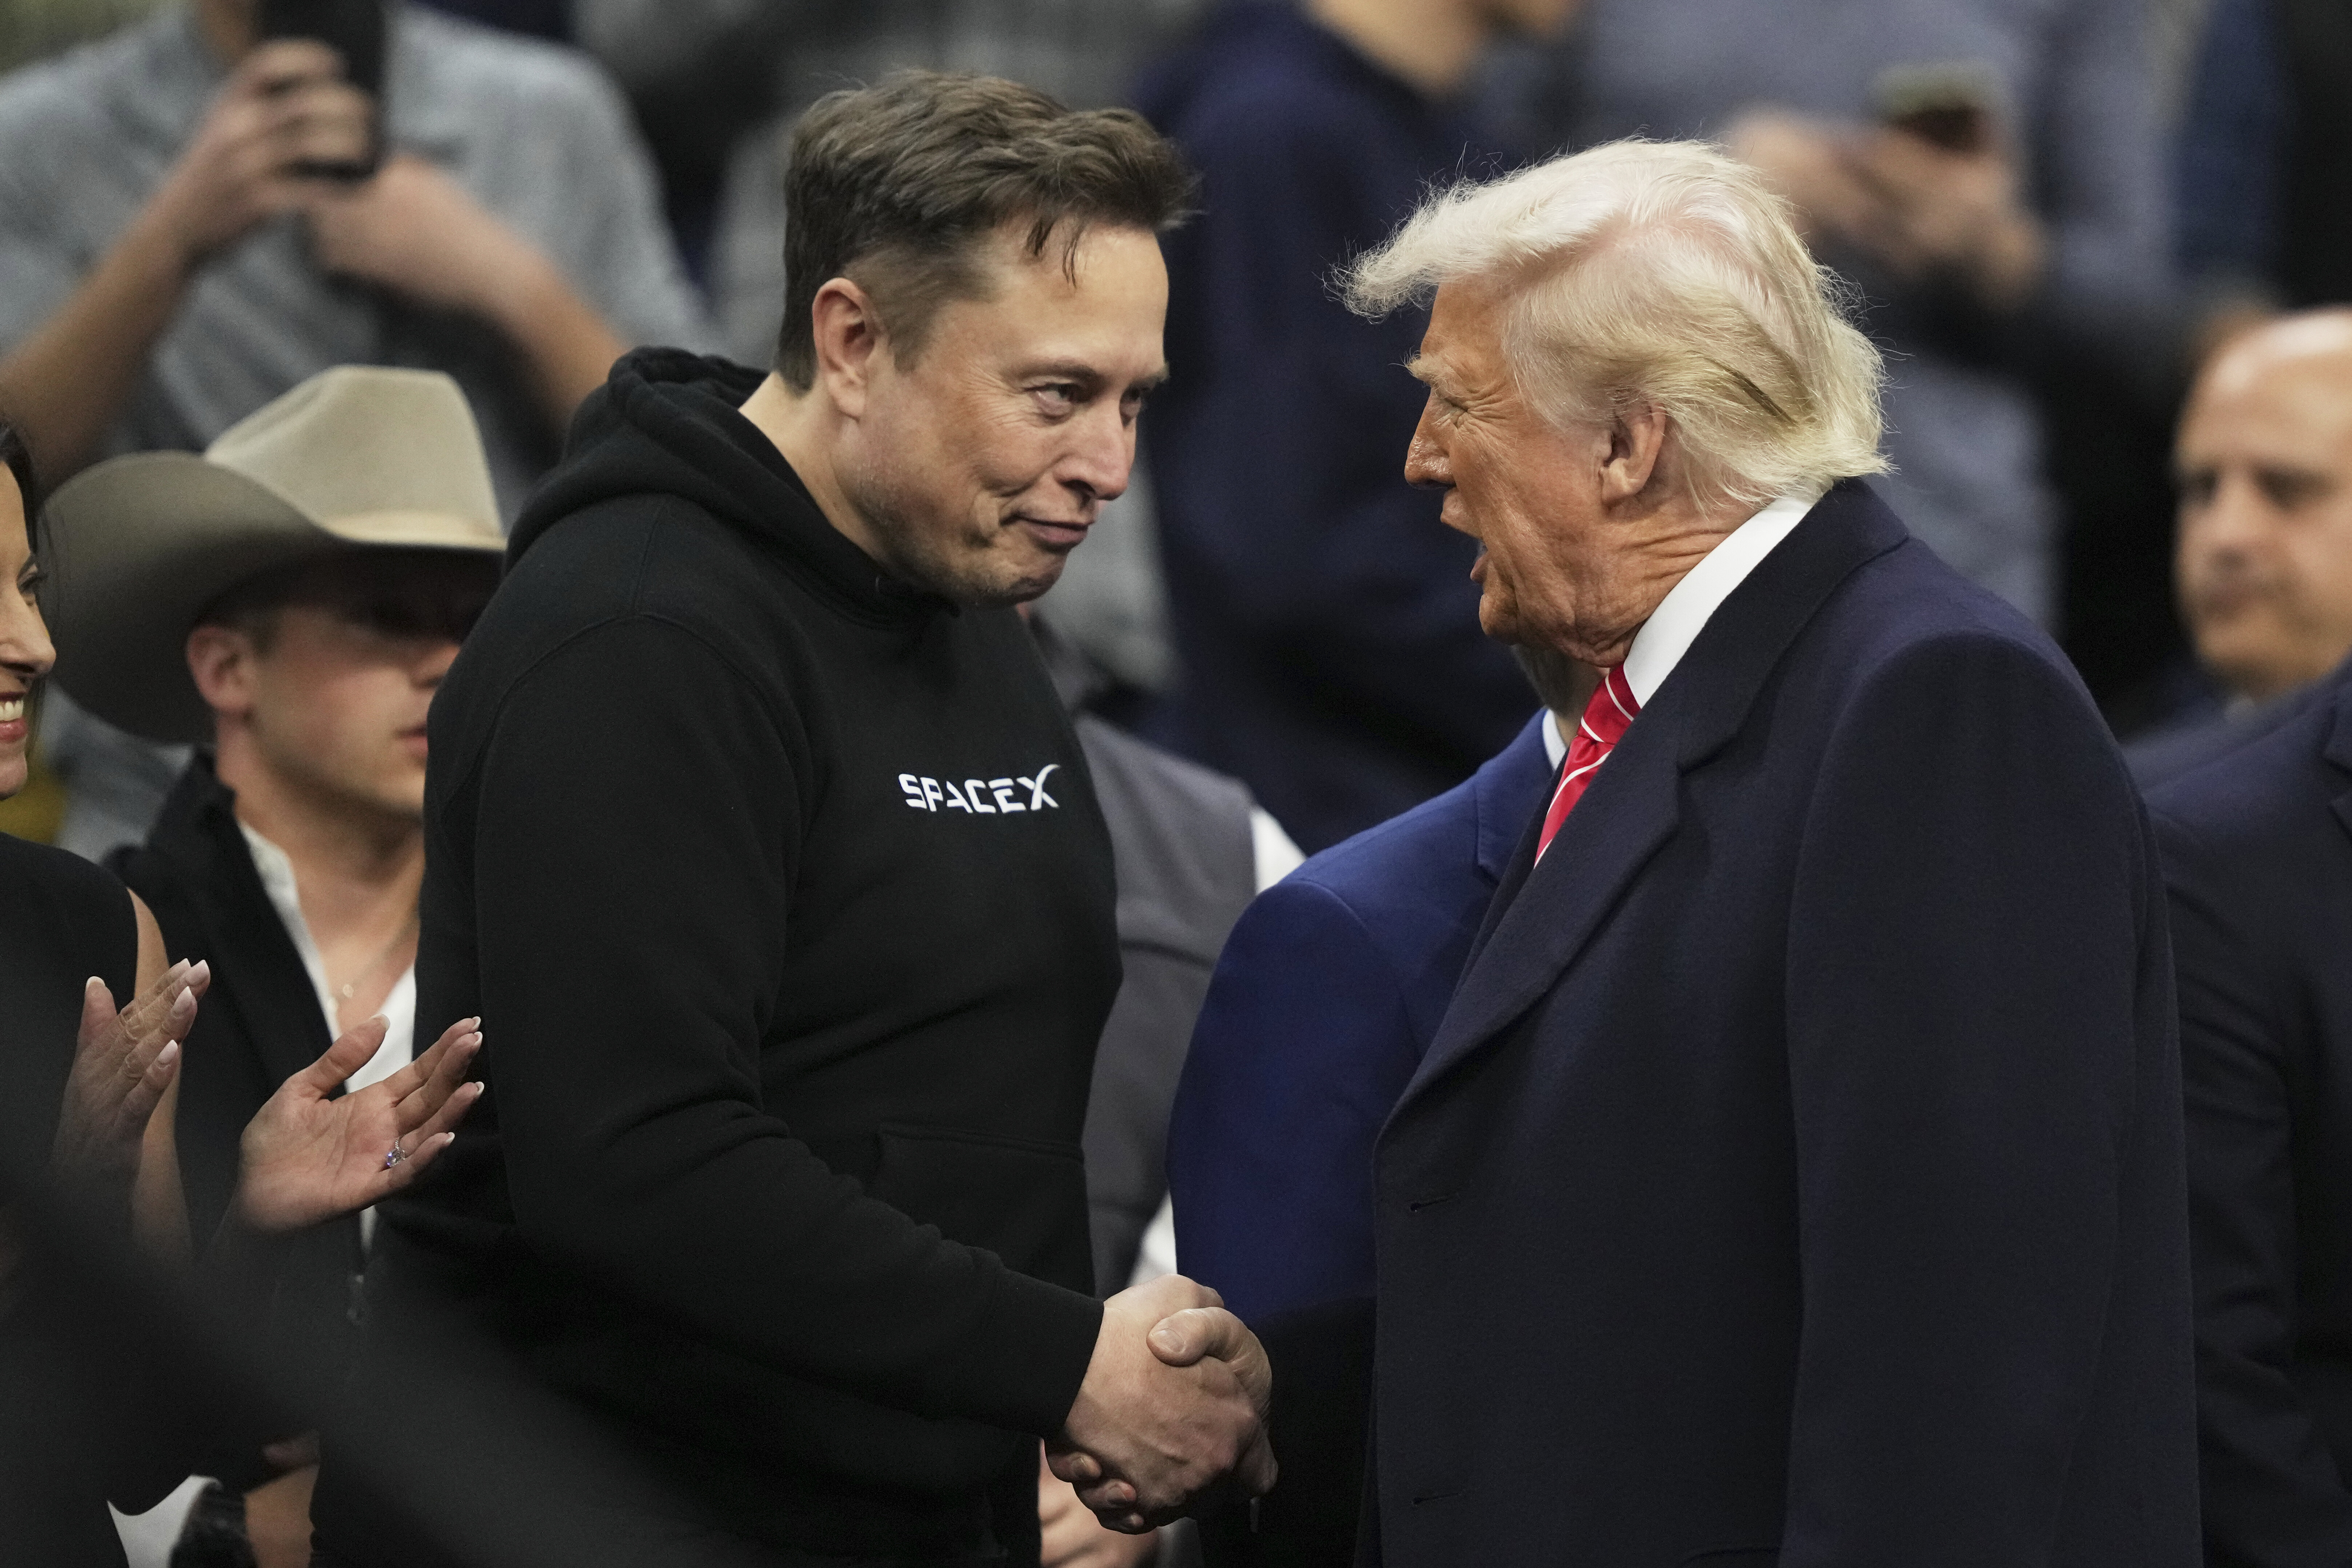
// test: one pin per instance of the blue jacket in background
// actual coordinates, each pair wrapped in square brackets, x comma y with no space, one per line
[1325,626]
[1328,992]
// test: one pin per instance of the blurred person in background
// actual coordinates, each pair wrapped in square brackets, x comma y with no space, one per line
[2257,845]
[89,1092]
[1081,52]
[1326,627]
[1322,1004]
[2263,186]
[2263,558]
[1988,175]
[289,601]
[820,1261]
[196,215]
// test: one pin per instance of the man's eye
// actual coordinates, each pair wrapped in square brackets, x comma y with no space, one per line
[1059,397]
[2289,491]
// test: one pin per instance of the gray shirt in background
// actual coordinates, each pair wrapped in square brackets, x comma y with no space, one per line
[533,132]
[2073,76]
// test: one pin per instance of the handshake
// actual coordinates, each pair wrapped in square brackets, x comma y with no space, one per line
[1174,1400]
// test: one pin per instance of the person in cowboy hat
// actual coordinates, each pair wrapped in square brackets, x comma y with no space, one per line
[290,600]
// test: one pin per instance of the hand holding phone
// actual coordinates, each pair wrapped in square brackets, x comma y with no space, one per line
[355,30]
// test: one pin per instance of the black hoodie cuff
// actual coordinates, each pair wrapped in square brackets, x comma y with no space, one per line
[1030,1352]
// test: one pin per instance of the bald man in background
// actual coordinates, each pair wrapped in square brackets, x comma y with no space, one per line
[2265,562]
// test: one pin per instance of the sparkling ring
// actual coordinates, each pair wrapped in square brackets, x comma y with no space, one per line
[393,1156]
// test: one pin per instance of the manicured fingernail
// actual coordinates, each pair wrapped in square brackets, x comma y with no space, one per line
[169,1054]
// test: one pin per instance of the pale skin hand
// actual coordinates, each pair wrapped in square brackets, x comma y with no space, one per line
[1174,1400]
[306,1158]
[413,230]
[284,108]
[1920,208]
[1075,1538]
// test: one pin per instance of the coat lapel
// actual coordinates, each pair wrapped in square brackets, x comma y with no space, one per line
[2338,749]
[1502,808]
[1542,917]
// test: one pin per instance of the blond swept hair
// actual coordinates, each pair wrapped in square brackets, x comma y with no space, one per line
[1662,275]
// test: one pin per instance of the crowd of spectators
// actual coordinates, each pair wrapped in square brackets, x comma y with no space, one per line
[2105,246]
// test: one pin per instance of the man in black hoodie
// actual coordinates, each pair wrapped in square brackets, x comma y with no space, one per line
[755,824]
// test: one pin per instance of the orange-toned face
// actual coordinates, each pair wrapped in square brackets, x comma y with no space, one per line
[1576,549]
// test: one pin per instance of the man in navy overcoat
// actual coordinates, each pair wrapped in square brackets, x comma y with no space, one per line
[1796,1178]
[2257,841]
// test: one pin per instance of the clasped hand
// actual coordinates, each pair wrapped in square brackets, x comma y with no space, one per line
[1174,1400]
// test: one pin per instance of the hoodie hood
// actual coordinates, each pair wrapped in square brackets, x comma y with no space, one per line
[667,423]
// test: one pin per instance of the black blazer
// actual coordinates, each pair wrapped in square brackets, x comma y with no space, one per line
[2257,846]
[260,1024]
[1797,1174]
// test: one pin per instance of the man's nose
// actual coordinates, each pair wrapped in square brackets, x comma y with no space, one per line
[2232,522]
[1426,465]
[1103,460]
[432,663]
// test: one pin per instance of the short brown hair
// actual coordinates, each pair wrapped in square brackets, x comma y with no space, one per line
[897,185]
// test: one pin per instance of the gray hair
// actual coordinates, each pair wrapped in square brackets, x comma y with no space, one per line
[1662,275]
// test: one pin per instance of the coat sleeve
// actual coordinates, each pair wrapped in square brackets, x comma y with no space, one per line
[1972,1039]
[2274,1495]
[1301,1050]
[634,839]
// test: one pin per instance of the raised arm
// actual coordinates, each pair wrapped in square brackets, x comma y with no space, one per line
[284,107]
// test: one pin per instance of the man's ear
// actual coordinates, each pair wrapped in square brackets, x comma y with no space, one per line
[1637,444]
[220,661]
[849,340]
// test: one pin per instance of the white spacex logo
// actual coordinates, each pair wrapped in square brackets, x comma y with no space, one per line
[981,797]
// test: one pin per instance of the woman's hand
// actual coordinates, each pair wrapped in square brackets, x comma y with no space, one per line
[306,1158]
[122,1063]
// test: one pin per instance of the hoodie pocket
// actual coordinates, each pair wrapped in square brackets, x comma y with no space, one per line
[1022,1200]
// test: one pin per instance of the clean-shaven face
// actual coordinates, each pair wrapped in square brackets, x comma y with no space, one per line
[2265,467]
[25,653]
[983,465]
[338,709]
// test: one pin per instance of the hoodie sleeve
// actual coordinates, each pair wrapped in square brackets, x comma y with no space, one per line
[633,841]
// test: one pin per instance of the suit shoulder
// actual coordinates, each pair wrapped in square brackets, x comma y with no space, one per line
[1908,621]
[1438,835]
[2274,783]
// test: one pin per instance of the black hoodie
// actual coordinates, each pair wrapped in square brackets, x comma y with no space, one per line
[782,888]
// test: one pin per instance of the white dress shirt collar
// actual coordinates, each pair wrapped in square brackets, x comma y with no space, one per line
[1555,743]
[1684,613]
[399,1008]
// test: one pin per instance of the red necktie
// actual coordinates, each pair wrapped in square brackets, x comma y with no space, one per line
[1612,708]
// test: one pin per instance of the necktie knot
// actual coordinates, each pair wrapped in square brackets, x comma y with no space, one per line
[1606,718]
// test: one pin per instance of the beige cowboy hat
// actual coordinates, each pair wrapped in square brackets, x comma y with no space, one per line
[136,547]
